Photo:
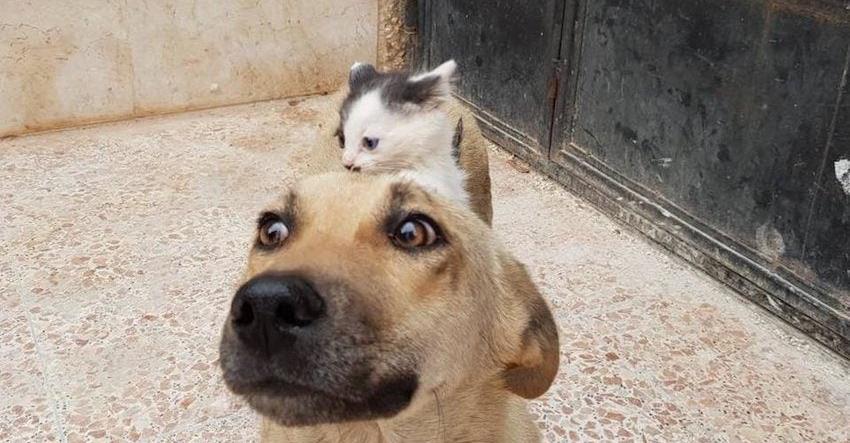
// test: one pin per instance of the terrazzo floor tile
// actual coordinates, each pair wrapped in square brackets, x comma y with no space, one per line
[124,241]
[25,410]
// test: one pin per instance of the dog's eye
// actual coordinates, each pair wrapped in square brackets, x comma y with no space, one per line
[370,143]
[273,231]
[415,232]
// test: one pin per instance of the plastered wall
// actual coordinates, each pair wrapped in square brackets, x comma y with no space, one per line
[71,63]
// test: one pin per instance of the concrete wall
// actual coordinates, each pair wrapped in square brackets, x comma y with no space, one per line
[71,63]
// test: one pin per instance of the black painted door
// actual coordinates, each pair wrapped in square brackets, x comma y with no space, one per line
[504,50]
[734,112]
[731,117]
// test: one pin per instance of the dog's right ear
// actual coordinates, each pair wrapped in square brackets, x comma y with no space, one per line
[359,74]
[532,369]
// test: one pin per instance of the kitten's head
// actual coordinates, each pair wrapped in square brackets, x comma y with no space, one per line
[394,120]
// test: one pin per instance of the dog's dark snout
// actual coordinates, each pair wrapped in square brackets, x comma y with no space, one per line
[269,311]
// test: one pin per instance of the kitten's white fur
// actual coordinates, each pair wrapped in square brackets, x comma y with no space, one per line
[416,144]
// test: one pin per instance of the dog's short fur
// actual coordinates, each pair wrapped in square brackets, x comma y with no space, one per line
[473,159]
[442,342]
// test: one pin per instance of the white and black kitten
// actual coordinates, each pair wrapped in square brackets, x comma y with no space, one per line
[395,122]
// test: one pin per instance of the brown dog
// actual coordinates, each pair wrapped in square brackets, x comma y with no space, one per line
[373,311]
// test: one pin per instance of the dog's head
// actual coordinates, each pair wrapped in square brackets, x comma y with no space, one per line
[364,294]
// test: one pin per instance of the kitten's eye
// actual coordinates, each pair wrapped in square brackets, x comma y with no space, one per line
[272,231]
[370,143]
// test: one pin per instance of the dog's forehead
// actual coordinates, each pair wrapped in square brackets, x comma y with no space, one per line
[348,197]
[343,193]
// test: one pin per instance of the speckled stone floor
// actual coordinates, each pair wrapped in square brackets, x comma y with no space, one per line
[121,243]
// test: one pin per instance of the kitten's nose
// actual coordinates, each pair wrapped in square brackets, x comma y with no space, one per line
[351,167]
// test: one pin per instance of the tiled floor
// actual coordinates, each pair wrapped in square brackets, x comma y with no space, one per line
[121,244]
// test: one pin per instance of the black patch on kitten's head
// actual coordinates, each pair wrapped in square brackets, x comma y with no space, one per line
[397,89]
[360,73]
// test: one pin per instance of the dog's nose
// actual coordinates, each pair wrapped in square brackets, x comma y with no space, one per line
[269,311]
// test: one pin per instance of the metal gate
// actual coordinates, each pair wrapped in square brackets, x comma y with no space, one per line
[718,128]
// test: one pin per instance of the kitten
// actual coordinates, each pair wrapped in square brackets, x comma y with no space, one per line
[399,123]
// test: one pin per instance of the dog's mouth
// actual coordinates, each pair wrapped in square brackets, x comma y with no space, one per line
[276,387]
[293,404]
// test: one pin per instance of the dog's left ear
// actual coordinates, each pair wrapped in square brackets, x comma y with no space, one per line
[534,367]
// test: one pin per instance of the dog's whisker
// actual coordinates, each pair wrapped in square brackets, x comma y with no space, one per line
[441,428]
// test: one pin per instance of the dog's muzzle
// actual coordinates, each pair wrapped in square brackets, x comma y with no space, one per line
[293,361]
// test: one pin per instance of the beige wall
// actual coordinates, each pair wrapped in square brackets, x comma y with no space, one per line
[65,63]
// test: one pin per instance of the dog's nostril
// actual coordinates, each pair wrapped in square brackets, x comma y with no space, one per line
[300,310]
[244,315]
[289,316]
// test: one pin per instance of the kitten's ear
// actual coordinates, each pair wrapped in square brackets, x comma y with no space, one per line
[359,74]
[445,71]
[432,87]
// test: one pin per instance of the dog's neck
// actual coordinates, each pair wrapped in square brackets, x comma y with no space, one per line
[480,413]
